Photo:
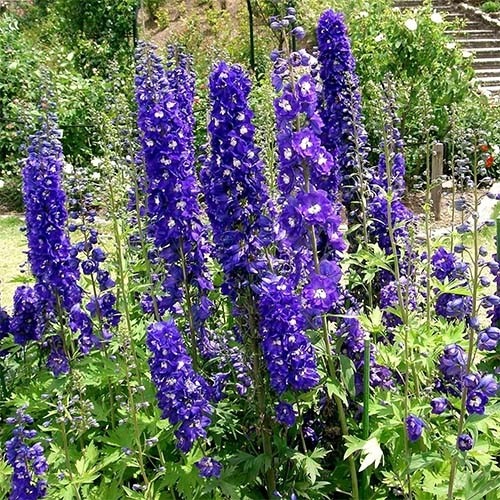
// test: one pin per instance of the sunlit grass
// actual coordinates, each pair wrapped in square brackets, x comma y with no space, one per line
[12,255]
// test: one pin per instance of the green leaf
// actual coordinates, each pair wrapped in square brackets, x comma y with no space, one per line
[347,371]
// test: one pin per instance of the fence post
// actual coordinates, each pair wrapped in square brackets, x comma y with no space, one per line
[436,172]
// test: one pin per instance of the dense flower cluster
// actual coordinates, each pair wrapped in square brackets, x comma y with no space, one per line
[183,395]
[479,388]
[27,460]
[447,268]
[49,255]
[287,350]
[233,181]
[28,319]
[343,135]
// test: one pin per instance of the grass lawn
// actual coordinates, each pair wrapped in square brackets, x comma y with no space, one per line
[12,248]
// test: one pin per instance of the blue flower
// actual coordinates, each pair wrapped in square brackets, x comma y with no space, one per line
[28,461]
[183,395]
[209,467]
[414,427]
[285,414]
[465,442]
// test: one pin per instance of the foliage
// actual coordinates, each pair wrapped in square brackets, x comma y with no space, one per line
[490,7]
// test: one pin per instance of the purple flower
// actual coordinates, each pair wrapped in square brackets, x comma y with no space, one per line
[4,323]
[287,350]
[28,320]
[453,361]
[439,405]
[321,293]
[46,217]
[343,134]
[28,461]
[488,385]
[233,181]
[182,394]
[315,207]
[465,442]
[209,467]
[285,414]
[57,361]
[476,402]
[414,427]
[488,339]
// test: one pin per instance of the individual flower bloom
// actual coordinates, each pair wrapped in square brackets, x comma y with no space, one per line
[490,160]
[323,162]
[471,380]
[315,207]
[379,38]
[476,402]
[89,266]
[451,45]
[465,442]
[321,293]
[285,414]
[414,427]
[298,32]
[182,394]
[98,254]
[488,385]
[453,361]
[436,17]
[286,106]
[452,306]
[411,24]
[305,143]
[439,405]
[209,467]
[444,264]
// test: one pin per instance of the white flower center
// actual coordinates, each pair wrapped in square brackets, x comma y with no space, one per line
[319,294]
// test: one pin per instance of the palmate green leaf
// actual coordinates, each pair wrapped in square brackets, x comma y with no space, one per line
[333,388]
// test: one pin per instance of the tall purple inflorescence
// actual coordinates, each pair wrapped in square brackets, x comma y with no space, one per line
[56,272]
[183,395]
[233,181]
[27,460]
[343,134]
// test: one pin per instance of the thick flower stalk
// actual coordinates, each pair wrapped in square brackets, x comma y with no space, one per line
[49,254]
[183,395]
[27,460]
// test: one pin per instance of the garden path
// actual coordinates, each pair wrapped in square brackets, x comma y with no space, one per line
[479,37]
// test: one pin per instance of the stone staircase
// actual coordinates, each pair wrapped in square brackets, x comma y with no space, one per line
[479,36]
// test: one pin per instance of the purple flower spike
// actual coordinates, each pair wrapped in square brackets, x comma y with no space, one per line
[183,395]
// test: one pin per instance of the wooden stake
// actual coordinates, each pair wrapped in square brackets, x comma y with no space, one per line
[436,172]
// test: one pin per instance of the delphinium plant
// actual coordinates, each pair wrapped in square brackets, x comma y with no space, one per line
[226,335]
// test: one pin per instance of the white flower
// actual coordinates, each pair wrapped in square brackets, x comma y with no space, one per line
[436,17]
[411,24]
[450,45]
[362,14]
[68,168]
[95,162]
[2,183]
[495,149]
[95,176]
[379,37]
[466,54]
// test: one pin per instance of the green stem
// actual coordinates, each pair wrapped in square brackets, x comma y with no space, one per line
[470,331]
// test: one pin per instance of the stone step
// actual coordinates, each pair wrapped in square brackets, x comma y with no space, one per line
[478,42]
[493,89]
[487,80]
[486,62]
[488,71]
[471,34]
